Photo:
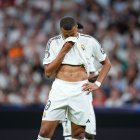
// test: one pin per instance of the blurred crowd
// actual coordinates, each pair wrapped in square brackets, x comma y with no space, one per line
[26,26]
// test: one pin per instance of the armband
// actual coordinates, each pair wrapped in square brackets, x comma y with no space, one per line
[98,83]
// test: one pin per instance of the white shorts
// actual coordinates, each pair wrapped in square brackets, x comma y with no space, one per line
[90,124]
[67,96]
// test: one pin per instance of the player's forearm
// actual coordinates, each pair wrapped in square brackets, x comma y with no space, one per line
[104,71]
[51,68]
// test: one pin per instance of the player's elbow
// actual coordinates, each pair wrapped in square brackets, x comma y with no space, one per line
[47,75]
[47,72]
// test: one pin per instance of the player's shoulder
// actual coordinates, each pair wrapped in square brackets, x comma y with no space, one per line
[85,36]
[96,41]
[55,38]
[89,37]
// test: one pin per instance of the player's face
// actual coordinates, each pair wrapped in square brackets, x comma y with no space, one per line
[68,33]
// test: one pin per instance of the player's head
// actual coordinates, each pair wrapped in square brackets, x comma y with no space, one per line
[68,26]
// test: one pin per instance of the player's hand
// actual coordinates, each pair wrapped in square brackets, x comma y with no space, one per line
[67,46]
[89,87]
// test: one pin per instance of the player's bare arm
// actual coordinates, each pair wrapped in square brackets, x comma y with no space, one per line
[51,68]
[105,69]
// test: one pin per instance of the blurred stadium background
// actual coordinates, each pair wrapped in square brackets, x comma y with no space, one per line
[26,26]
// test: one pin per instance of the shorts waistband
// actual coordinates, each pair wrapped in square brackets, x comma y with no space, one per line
[67,82]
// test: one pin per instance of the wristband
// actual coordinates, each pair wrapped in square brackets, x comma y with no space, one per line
[98,83]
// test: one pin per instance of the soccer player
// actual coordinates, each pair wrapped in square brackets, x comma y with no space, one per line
[90,126]
[67,57]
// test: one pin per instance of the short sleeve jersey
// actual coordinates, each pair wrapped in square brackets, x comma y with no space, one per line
[90,47]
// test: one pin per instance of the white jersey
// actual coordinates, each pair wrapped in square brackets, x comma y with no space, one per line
[89,46]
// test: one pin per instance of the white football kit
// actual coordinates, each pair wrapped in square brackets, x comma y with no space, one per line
[66,95]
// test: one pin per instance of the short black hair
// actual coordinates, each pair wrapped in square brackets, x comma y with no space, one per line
[67,23]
